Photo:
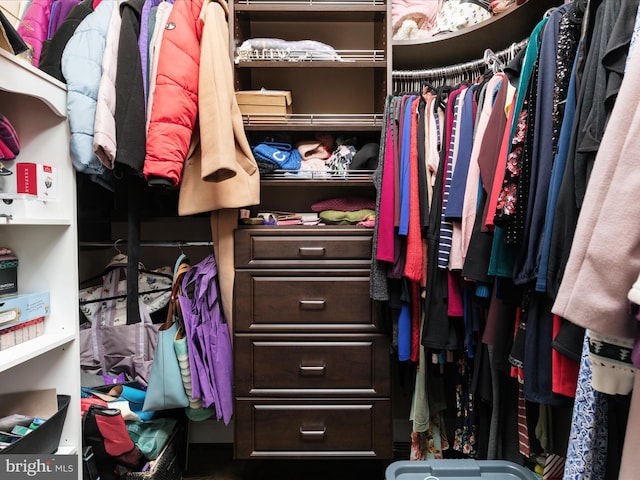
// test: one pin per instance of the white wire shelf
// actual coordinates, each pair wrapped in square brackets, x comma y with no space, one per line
[312,2]
[289,57]
[351,175]
[334,121]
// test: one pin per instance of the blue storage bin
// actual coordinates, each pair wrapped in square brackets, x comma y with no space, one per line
[457,469]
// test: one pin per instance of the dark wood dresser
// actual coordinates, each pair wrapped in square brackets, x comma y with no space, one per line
[312,367]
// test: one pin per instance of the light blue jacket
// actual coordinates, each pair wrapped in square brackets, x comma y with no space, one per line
[82,69]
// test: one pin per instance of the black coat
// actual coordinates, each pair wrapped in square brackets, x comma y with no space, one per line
[130,104]
[51,54]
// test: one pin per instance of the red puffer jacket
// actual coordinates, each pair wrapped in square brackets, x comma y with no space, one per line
[175,102]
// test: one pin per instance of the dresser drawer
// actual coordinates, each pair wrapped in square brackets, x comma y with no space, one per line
[302,247]
[319,300]
[298,429]
[309,365]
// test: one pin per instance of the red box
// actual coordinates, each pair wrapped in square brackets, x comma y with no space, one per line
[20,333]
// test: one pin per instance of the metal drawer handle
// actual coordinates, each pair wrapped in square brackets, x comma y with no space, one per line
[312,304]
[311,251]
[309,371]
[313,435]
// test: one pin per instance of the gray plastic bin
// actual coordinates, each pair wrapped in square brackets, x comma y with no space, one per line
[462,469]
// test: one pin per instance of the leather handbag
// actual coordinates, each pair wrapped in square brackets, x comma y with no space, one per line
[165,389]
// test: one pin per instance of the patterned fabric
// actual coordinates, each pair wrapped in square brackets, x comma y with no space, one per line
[106,303]
[553,467]
[457,14]
[612,369]
[508,194]
[568,38]
[464,440]
[523,428]
[587,451]
[430,444]
[446,226]
[634,37]
[514,231]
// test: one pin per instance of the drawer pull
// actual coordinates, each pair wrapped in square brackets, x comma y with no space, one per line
[313,435]
[309,371]
[311,251]
[312,304]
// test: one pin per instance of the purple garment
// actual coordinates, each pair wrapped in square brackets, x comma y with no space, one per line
[208,338]
[143,40]
[635,353]
[59,11]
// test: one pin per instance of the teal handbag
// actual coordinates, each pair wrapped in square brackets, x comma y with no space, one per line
[165,389]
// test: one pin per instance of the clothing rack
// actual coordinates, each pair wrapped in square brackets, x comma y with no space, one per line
[414,80]
[149,243]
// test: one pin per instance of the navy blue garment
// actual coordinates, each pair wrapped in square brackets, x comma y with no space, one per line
[465,145]
[537,353]
[405,158]
[422,167]
[526,268]
[404,325]
[591,84]
[557,173]
[446,227]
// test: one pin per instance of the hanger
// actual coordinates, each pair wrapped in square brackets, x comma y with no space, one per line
[115,245]
[492,61]
[15,17]
[120,261]
[414,80]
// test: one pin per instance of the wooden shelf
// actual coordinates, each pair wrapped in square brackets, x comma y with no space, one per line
[497,33]
[20,77]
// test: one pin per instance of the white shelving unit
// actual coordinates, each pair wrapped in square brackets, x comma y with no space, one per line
[43,235]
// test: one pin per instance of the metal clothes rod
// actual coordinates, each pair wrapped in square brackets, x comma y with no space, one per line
[149,243]
[406,80]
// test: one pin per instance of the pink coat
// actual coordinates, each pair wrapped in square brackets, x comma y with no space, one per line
[35,25]
[605,254]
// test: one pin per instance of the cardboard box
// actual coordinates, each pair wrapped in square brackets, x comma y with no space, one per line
[15,309]
[8,274]
[276,102]
[29,180]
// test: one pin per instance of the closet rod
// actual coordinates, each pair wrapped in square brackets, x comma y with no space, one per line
[468,66]
[149,243]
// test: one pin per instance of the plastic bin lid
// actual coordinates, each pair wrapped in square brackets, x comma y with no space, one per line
[457,469]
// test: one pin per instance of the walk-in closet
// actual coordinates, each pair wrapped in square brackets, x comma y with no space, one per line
[382,239]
